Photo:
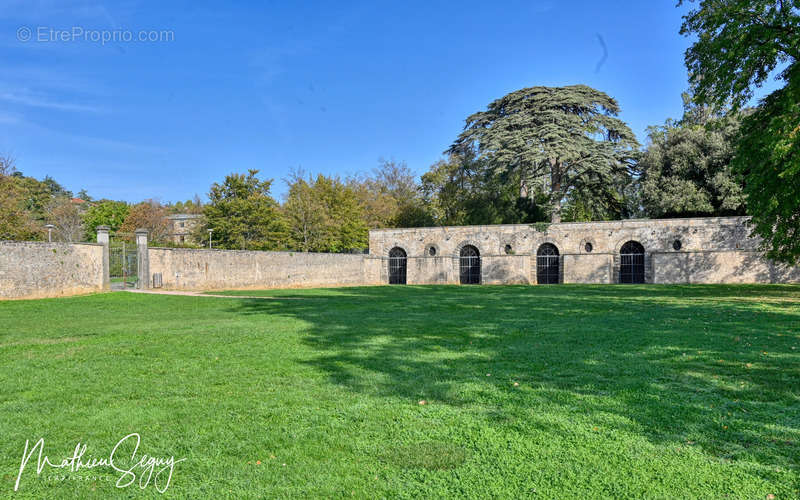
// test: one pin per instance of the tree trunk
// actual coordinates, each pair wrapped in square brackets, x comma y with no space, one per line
[555,191]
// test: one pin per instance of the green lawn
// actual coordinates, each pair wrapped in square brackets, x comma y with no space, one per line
[551,392]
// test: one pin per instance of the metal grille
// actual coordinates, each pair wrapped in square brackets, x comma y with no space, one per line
[631,268]
[123,262]
[547,262]
[397,266]
[158,280]
[470,266]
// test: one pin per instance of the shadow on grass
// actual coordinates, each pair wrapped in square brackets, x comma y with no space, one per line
[709,366]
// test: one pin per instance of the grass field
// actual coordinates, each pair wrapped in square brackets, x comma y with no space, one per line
[551,392]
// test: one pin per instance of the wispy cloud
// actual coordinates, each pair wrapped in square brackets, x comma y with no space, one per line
[25,98]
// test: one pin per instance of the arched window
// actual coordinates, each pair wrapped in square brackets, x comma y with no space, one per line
[547,263]
[470,266]
[397,266]
[631,264]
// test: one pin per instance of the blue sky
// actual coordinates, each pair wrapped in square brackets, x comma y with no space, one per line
[328,87]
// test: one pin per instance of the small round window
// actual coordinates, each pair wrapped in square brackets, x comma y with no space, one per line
[432,251]
[676,245]
[508,249]
[588,247]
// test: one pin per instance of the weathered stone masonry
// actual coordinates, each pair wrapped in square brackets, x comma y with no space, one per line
[702,250]
[199,269]
[693,250]
[35,270]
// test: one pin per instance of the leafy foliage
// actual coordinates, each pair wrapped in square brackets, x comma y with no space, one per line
[739,43]
[324,215]
[391,197]
[553,140]
[67,217]
[25,202]
[105,213]
[148,215]
[243,215]
[16,223]
[686,170]
[193,206]
[769,159]
[464,190]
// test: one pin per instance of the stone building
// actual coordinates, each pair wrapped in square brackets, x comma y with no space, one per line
[691,250]
[181,227]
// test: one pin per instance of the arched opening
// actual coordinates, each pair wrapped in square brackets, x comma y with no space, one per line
[631,264]
[470,266]
[547,265]
[397,266]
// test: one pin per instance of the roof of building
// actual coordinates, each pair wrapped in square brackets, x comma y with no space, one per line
[183,216]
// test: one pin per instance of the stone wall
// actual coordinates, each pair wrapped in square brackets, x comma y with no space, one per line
[32,270]
[692,250]
[199,269]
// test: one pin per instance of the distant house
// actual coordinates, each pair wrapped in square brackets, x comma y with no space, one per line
[181,227]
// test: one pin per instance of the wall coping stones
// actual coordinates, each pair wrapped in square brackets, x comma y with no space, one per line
[626,223]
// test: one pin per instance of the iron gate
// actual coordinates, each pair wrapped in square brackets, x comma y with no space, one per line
[397,266]
[547,265]
[631,265]
[470,266]
[123,262]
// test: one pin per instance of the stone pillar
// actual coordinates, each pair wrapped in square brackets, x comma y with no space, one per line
[142,259]
[102,238]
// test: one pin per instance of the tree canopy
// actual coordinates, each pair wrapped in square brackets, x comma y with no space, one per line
[769,160]
[740,43]
[148,215]
[686,169]
[324,215]
[463,190]
[555,139]
[105,213]
[243,215]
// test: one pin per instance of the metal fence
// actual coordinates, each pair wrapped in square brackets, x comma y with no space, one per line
[123,262]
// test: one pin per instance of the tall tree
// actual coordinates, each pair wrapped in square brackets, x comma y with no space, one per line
[324,215]
[104,213]
[16,223]
[462,190]
[555,139]
[193,206]
[769,160]
[67,217]
[150,215]
[391,196]
[243,215]
[305,214]
[686,169]
[740,43]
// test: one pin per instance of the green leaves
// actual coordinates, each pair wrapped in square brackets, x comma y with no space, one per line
[768,158]
[686,168]
[554,138]
[105,213]
[324,215]
[243,215]
[740,42]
